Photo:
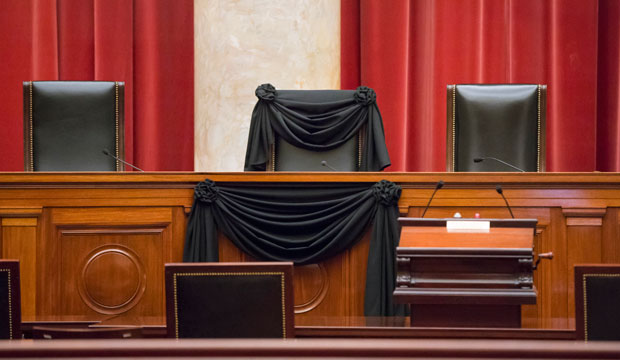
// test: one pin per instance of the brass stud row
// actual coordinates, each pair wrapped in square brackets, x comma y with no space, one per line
[538,130]
[118,164]
[10,304]
[30,135]
[453,127]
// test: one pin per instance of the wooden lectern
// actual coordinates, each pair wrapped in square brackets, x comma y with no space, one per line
[465,272]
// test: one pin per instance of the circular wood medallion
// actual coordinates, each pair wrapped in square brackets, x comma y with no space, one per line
[311,284]
[112,279]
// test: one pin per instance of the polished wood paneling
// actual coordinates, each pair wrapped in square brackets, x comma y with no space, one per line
[45,215]
[19,241]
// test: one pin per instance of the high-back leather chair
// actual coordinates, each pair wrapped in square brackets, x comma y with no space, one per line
[287,157]
[502,126]
[316,130]
[68,125]
[10,300]
[597,299]
[229,300]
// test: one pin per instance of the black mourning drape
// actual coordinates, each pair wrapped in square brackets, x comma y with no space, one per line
[315,126]
[304,224]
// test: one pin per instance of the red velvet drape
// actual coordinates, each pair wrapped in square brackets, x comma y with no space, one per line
[408,51]
[148,44]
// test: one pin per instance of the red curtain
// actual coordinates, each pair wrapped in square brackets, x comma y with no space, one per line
[148,44]
[408,51]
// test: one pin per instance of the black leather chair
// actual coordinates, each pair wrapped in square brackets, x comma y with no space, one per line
[597,300]
[346,157]
[10,300]
[496,124]
[229,300]
[316,130]
[68,125]
[287,157]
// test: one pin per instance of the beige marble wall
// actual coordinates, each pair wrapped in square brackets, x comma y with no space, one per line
[292,44]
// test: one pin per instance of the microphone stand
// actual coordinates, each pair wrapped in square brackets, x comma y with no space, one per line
[106,152]
[481,159]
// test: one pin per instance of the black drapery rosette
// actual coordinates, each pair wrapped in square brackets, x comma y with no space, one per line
[303,224]
[316,120]
[266,92]
[365,96]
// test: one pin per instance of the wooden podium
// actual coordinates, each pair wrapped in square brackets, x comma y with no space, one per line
[465,272]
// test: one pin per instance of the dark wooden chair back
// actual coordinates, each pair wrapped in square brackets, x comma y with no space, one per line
[502,121]
[68,125]
[48,332]
[597,302]
[10,300]
[229,300]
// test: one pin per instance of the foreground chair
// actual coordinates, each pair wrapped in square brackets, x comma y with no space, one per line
[500,125]
[68,125]
[229,300]
[10,300]
[597,300]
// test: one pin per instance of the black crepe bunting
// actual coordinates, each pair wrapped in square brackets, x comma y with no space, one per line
[304,224]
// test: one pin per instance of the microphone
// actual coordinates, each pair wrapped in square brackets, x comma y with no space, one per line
[324,163]
[106,152]
[481,159]
[437,187]
[499,190]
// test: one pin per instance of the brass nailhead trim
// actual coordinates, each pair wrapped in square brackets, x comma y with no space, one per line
[585,300]
[359,149]
[10,305]
[176,306]
[118,163]
[538,145]
[273,156]
[30,132]
[281,274]
[453,127]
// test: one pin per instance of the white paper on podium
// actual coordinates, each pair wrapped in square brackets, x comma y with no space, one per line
[468,226]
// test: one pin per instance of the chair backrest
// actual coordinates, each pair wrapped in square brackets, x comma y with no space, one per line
[48,332]
[287,157]
[501,121]
[346,157]
[68,125]
[229,300]
[597,300]
[10,300]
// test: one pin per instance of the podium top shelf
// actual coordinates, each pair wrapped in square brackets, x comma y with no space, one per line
[500,233]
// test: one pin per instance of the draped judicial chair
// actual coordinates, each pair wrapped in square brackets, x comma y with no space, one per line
[50,332]
[68,125]
[10,300]
[229,300]
[316,130]
[597,300]
[499,125]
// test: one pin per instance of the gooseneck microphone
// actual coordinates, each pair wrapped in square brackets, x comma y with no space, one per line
[106,152]
[325,164]
[499,190]
[437,187]
[481,159]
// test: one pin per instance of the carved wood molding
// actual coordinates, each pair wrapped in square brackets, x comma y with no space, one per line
[21,212]
[584,216]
